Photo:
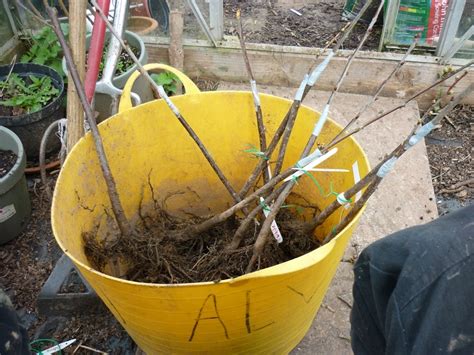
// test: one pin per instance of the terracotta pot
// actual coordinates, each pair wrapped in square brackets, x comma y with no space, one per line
[141,25]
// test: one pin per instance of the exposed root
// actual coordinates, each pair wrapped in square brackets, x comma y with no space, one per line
[153,253]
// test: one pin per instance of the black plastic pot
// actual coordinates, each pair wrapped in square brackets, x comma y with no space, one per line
[30,127]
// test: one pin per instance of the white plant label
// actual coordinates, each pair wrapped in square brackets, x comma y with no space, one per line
[7,212]
[274,227]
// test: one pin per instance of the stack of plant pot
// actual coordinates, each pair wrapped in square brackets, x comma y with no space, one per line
[15,208]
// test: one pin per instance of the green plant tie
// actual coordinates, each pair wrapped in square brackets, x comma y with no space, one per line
[43,341]
[340,196]
[254,151]
[318,185]
[264,206]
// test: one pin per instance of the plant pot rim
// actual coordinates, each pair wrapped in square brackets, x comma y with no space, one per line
[126,74]
[152,24]
[16,172]
[27,118]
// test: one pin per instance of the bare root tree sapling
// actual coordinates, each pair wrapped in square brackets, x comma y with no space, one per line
[116,205]
[263,235]
[244,246]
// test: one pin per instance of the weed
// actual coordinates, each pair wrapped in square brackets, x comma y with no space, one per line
[27,95]
[45,49]
[168,80]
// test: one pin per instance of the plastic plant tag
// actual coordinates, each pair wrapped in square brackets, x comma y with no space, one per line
[7,212]
[356,172]
[274,227]
[311,165]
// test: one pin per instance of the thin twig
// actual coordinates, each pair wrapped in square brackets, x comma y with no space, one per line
[42,157]
[160,92]
[457,187]
[12,66]
[458,78]
[39,18]
[258,107]
[293,111]
[380,88]
[63,7]
[384,166]
[116,205]
[93,350]
[352,25]
[418,94]
[263,235]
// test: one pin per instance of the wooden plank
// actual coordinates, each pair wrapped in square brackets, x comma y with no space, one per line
[9,49]
[77,30]
[286,66]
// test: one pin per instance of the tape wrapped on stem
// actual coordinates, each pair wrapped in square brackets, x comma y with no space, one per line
[300,91]
[386,167]
[421,133]
[321,122]
[316,73]
[256,98]
[314,155]
[341,199]
[168,101]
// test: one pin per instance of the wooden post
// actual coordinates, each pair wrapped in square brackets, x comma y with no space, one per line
[175,50]
[77,36]
[216,18]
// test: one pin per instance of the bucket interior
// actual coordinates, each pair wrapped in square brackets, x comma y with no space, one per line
[147,144]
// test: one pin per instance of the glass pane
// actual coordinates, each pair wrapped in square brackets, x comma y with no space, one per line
[5,31]
[425,17]
[467,20]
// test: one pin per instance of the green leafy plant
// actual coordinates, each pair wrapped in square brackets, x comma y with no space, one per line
[45,48]
[168,80]
[124,62]
[27,95]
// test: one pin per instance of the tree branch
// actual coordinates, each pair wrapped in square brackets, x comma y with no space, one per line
[122,222]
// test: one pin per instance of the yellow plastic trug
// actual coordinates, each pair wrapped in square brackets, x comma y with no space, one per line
[139,84]
[267,311]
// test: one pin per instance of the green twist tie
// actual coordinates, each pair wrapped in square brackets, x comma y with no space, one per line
[313,179]
[265,206]
[254,151]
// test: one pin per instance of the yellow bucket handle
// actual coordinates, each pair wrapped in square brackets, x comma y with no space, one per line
[125,99]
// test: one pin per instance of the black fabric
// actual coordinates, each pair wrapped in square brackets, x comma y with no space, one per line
[13,337]
[414,290]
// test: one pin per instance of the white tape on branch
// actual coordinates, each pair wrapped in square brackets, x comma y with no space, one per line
[314,155]
[386,167]
[421,133]
[300,92]
[322,120]
[256,98]
[320,69]
[341,199]
[168,101]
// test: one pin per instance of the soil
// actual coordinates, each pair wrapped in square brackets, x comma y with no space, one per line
[124,61]
[7,161]
[153,255]
[266,22]
[450,153]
